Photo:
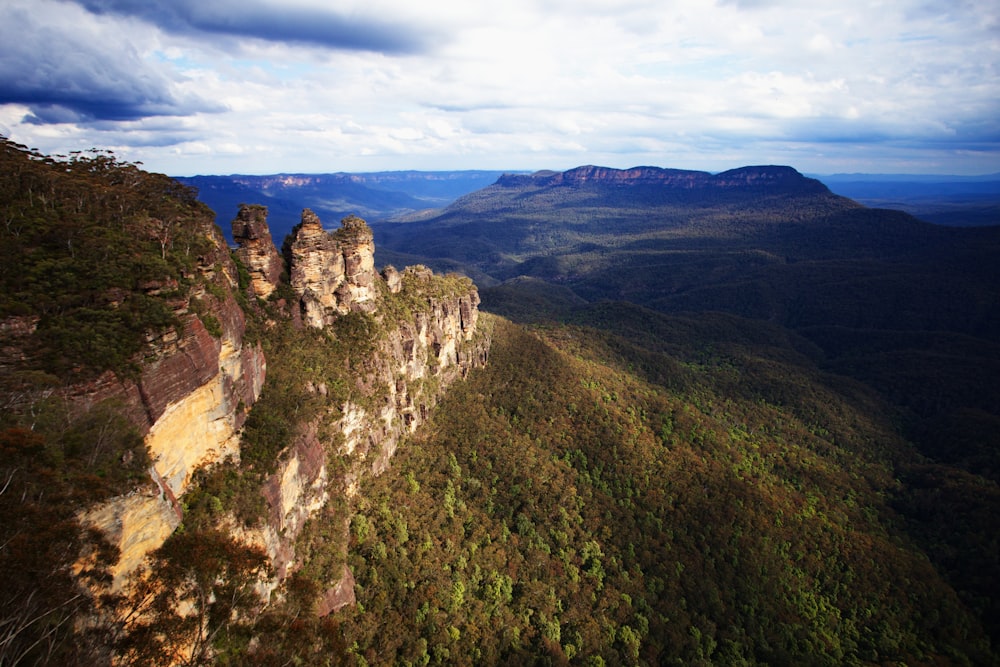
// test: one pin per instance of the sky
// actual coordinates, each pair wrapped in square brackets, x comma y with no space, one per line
[310,86]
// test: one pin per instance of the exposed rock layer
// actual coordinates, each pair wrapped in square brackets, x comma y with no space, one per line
[193,395]
[189,400]
[412,366]
[770,177]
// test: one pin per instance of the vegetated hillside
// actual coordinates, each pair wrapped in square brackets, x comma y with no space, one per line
[689,491]
[910,309]
[374,196]
[93,253]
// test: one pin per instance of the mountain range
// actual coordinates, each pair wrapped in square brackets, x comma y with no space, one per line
[408,195]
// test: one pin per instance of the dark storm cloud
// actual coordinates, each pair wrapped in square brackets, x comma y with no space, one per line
[77,76]
[274,23]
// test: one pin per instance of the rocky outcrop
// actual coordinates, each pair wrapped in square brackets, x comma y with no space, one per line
[332,273]
[296,491]
[427,340]
[416,362]
[257,250]
[340,596]
[197,386]
[393,279]
[180,366]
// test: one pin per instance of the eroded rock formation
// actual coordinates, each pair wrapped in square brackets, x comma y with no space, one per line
[413,364]
[193,397]
[257,250]
[332,273]
[145,384]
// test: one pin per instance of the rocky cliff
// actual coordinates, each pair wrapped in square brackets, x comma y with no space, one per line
[424,337]
[189,401]
[770,177]
[184,428]
[256,249]
[332,273]
[382,349]
[193,397]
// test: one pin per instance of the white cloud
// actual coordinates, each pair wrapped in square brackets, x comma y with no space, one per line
[541,83]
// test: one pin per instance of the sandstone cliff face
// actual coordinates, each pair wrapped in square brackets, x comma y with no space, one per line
[257,250]
[332,273]
[772,178]
[189,400]
[416,363]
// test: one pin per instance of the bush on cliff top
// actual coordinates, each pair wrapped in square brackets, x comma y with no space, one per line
[91,248]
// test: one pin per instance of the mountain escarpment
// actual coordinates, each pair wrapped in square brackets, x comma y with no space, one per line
[183,425]
[358,360]
[769,177]
[189,401]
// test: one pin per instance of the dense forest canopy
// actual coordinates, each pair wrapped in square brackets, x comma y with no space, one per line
[892,306]
[587,500]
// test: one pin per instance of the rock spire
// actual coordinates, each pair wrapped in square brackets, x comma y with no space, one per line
[257,251]
[332,274]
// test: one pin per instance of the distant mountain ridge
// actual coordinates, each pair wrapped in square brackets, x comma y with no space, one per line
[535,217]
[593,187]
[763,242]
[872,299]
[956,201]
[769,176]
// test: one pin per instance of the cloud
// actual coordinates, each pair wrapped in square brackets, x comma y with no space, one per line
[285,22]
[66,69]
[320,85]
